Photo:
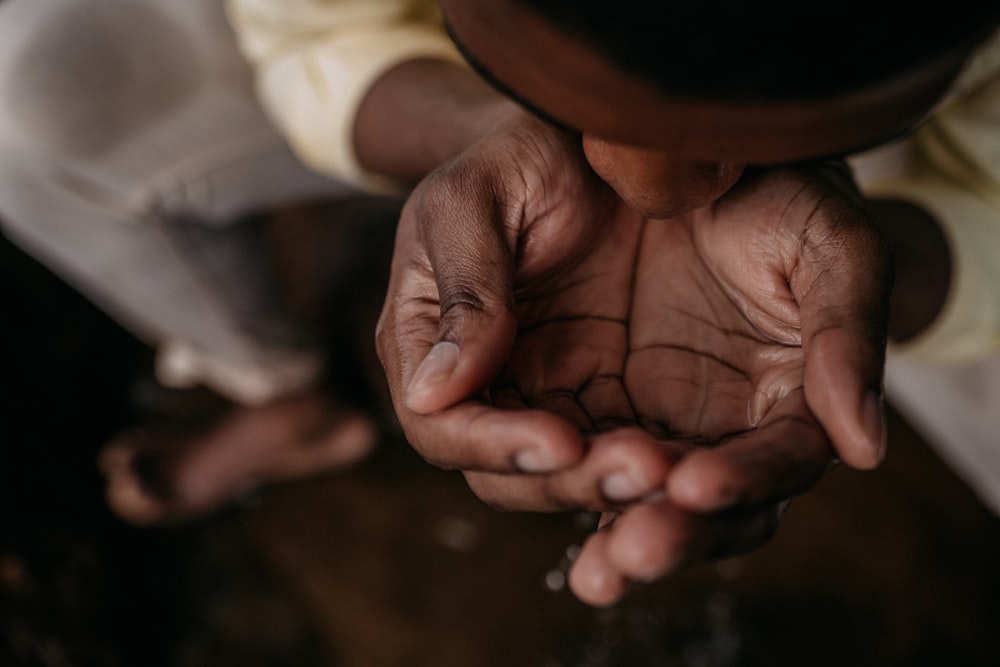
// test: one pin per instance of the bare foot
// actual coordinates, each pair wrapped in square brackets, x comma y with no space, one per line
[333,263]
[155,478]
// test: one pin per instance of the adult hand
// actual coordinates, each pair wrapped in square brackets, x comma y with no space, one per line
[535,324]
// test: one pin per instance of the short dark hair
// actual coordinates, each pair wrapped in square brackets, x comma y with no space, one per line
[769,49]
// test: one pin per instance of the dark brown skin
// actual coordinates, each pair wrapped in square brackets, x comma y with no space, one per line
[572,317]
[615,346]
[422,113]
[923,266]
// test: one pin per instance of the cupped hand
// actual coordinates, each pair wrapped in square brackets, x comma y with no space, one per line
[565,352]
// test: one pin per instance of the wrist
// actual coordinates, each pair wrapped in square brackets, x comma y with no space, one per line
[422,113]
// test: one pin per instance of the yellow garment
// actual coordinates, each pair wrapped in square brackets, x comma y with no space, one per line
[954,174]
[316,59]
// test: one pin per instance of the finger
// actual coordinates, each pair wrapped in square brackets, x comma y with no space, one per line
[843,382]
[408,324]
[592,578]
[649,541]
[784,456]
[844,300]
[643,544]
[469,434]
[460,224]
[619,467]
[478,437]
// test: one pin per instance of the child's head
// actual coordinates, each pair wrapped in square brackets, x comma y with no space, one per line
[678,97]
[768,49]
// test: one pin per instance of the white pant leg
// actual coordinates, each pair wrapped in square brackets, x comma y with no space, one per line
[130,142]
[957,409]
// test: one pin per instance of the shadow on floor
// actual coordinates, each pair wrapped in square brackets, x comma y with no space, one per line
[396,564]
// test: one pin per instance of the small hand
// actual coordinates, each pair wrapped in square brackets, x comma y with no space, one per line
[573,321]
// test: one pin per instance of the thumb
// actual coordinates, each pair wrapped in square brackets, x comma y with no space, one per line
[844,324]
[461,226]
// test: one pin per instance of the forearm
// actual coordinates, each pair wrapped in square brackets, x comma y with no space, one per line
[318,61]
[421,113]
[923,266]
[952,172]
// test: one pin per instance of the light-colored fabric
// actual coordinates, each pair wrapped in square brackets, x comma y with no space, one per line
[133,138]
[132,145]
[952,169]
[316,59]
[968,327]
[947,381]
[955,408]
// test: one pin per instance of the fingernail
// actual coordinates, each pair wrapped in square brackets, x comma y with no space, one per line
[874,422]
[624,485]
[532,460]
[436,367]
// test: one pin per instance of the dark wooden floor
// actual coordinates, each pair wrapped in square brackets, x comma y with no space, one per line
[396,564]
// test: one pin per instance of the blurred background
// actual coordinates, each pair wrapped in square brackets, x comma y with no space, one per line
[397,564]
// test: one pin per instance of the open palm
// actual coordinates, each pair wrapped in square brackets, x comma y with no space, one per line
[544,338]
[646,330]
